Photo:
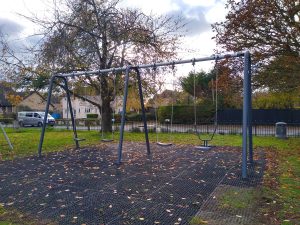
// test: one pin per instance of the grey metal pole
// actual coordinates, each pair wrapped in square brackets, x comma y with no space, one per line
[46,115]
[123,115]
[71,112]
[143,109]
[67,116]
[103,71]
[6,137]
[250,143]
[245,114]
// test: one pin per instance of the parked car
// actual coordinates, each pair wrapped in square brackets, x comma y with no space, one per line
[34,119]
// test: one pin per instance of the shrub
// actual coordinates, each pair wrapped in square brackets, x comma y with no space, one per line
[185,113]
[136,130]
[6,120]
[134,117]
[117,118]
[11,115]
[138,116]
[91,116]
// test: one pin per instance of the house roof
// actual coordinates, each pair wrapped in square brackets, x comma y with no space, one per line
[35,92]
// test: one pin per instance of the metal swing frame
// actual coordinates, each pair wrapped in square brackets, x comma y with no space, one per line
[247,149]
[6,137]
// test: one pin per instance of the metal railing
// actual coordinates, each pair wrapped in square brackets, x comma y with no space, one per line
[293,129]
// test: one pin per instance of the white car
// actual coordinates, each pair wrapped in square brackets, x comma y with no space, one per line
[34,119]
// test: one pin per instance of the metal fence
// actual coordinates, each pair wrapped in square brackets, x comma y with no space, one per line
[293,130]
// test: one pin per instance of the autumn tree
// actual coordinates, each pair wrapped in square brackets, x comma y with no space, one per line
[227,82]
[270,30]
[203,82]
[98,34]
[14,99]
[270,100]
[229,85]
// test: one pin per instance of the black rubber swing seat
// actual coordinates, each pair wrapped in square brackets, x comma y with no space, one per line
[163,144]
[107,140]
[205,145]
[204,148]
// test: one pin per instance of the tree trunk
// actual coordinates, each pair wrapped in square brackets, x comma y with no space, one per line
[106,125]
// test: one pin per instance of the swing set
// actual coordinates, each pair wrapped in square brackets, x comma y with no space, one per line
[247,149]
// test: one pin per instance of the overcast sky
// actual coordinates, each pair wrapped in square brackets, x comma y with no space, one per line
[199,14]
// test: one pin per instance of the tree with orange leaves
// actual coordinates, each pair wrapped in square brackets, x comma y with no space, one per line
[270,29]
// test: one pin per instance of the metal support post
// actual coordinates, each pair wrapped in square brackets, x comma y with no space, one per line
[71,112]
[250,157]
[123,115]
[6,137]
[46,115]
[245,114]
[143,109]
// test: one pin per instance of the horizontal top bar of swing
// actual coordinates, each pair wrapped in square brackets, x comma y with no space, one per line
[194,60]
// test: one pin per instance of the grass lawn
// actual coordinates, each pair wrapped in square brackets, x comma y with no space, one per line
[280,199]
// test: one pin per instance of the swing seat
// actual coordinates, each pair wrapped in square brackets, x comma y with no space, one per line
[79,139]
[107,140]
[205,146]
[164,144]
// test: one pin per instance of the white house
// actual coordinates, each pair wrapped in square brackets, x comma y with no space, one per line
[81,108]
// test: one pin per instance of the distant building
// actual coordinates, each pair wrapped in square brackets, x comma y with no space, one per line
[36,102]
[81,108]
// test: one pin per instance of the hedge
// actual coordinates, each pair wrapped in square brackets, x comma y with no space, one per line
[181,114]
[6,120]
[138,116]
[91,116]
[185,113]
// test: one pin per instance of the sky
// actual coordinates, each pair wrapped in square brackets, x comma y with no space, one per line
[199,15]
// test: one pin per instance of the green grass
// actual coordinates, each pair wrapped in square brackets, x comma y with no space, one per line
[238,198]
[14,217]
[286,193]
[289,189]
[196,220]
[26,140]
[4,222]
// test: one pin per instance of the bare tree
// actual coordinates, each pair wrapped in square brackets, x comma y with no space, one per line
[97,34]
